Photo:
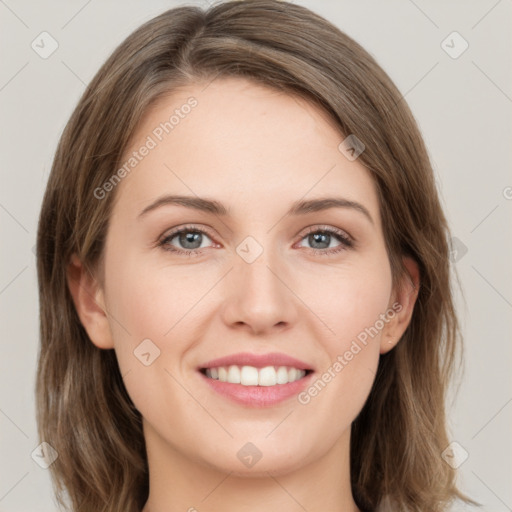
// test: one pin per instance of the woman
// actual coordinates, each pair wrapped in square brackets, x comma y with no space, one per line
[220,168]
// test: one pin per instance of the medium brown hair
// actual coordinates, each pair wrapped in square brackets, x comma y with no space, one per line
[83,409]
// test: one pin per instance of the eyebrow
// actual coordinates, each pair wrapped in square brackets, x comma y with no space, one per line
[300,207]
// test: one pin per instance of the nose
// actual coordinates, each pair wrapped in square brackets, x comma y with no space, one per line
[259,297]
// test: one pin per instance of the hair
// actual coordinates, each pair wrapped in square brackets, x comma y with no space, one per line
[83,409]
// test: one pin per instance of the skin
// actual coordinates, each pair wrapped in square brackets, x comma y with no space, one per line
[255,150]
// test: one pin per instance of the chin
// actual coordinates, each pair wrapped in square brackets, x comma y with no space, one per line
[273,464]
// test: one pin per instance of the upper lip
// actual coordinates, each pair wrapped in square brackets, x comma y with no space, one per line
[257,360]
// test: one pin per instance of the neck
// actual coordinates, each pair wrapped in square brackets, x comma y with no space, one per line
[180,484]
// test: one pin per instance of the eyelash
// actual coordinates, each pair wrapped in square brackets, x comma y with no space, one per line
[346,241]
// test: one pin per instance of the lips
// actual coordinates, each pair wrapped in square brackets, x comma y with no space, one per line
[256,380]
[258,361]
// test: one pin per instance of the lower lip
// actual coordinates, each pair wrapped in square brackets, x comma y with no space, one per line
[258,396]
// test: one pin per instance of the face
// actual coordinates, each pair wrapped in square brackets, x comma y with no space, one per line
[260,275]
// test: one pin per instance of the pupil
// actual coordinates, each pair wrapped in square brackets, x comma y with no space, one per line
[317,236]
[186,238]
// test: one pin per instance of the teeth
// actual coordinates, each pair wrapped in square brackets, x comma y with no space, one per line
[292,374]
[234,374]
[267,376]
[282,375]
[251,376]
[223,374]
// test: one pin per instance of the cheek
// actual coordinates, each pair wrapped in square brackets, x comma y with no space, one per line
[353,308]
[352,299]
[143,309]
[150,300]
[151,316]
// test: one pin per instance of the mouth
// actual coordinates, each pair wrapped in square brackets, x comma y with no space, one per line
[256,387]
[256,380]
[251,376]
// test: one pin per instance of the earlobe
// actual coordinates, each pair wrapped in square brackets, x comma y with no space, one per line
[402,305]
[88,298]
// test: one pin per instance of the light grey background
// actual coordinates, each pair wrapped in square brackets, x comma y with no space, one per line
[463,106]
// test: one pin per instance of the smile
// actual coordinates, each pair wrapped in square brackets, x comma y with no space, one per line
[252,376]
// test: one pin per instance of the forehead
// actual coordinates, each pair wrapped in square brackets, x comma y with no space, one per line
[244,144]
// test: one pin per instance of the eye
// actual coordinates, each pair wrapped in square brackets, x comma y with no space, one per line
[190,238]
[321,237]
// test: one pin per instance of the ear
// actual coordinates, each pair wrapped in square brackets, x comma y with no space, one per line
[89,301]
[402,306]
